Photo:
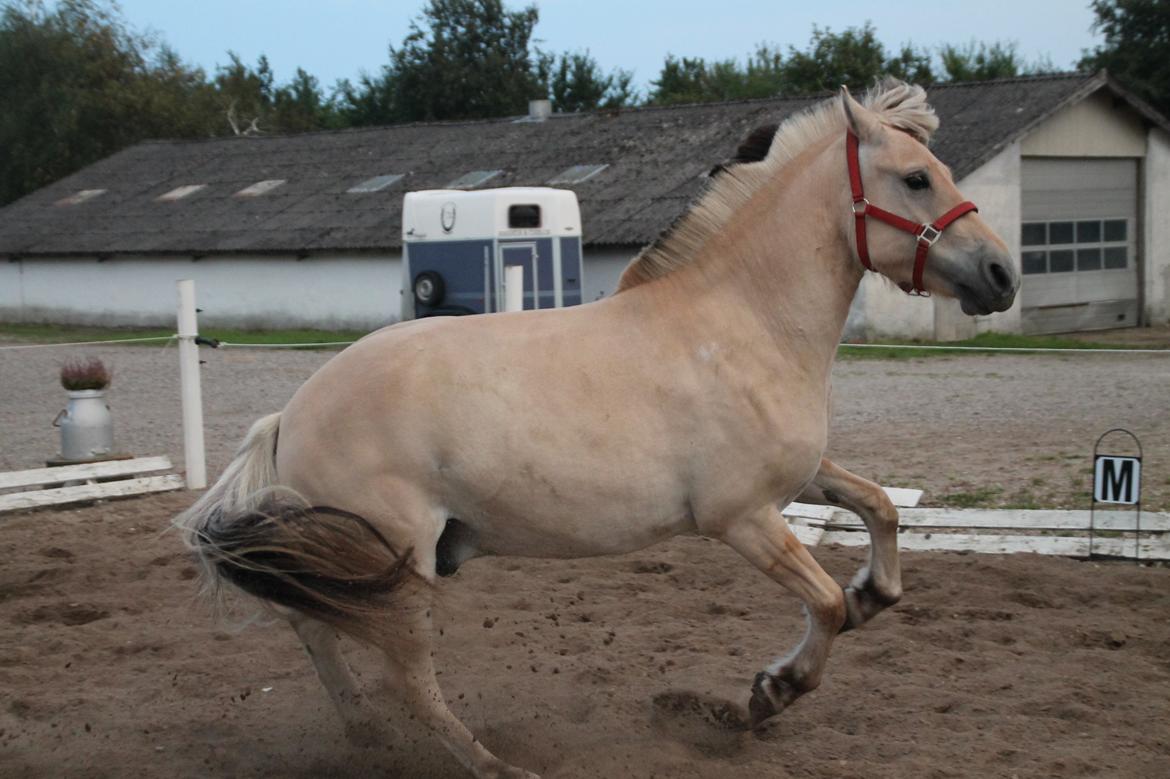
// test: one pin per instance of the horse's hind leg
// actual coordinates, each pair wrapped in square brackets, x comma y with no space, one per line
[879,583]
[362,723]
[766,541]
[410,675]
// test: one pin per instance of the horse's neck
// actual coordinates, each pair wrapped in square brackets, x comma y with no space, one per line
[783,269]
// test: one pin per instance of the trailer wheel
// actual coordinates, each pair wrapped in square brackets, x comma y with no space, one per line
[429,288]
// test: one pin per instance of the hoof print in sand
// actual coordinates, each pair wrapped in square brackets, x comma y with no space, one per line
[714,726]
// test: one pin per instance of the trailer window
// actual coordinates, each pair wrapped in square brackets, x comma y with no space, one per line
[524,216]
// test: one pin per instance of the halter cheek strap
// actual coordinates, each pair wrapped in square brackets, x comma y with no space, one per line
[927,234]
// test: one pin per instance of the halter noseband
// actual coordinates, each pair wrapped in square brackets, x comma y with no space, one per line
[927,234]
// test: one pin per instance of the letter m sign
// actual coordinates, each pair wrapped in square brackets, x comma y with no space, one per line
[1117,479]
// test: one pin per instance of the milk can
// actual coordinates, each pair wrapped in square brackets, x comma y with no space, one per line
[87,429]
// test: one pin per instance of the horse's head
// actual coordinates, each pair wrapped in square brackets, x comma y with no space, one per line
[905,187]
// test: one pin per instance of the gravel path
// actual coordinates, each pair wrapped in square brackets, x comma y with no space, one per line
[1005,430]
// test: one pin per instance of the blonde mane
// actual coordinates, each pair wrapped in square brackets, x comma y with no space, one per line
[899,105]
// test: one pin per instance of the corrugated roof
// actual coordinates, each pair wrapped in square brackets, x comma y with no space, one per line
[656,159]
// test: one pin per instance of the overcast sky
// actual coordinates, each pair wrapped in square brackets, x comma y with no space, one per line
[334,39]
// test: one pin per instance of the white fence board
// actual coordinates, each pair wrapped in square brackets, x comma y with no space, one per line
[809,536]
[112,489]
[902,497]
[39,476]
[999,519]
[1064,546]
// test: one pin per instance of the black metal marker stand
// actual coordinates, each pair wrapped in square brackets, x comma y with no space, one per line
[1102,488]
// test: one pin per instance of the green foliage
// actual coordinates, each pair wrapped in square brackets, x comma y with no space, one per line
[48,334]
[76,86]
[980,62]
[981,341]
[574,82]
[854,57]
[464,59]
[1137,47]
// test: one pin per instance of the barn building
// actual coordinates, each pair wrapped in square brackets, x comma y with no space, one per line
[305,230]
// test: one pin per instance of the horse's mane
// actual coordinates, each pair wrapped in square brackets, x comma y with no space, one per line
[759,158]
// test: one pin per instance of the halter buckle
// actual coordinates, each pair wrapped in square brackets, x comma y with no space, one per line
[929,235]
[919,293]
[860,206]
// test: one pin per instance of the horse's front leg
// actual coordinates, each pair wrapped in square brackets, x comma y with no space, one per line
[879,583]
[766,541]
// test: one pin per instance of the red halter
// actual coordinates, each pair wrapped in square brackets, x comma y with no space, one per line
[927,234]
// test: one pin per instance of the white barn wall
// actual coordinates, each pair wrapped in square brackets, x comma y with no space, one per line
[1156,238]
[881,310]
[333,292]
[603,270]
[996,188]
[10,286]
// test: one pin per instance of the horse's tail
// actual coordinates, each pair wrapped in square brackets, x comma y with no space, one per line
[269,542]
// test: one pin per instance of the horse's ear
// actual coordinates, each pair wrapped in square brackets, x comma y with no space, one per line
[864,124]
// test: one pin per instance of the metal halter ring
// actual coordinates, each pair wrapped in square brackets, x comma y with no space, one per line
[860,206]
[929,235]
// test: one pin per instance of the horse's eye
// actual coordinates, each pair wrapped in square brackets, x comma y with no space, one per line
[917,181]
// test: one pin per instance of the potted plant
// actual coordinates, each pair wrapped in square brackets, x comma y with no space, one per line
[87,430]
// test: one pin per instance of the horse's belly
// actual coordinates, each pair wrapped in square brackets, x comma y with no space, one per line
[540,518]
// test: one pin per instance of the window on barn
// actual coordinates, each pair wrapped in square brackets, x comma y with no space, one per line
[376,184]
[80,196]
[473,179]
[577,173]
[260,188]
[178,193]
[1075,245]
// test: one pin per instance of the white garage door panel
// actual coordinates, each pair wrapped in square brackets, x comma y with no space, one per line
[1070,203]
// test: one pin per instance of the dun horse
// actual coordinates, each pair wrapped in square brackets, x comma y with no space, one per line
[695,400]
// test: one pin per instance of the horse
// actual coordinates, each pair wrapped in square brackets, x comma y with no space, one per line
[694,400]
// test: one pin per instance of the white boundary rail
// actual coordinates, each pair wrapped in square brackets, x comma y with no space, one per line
[1048,532]
[89,481]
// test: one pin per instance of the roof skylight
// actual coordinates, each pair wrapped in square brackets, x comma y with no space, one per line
[577,173]
[80,197]
[473,179]
[260,188]
[376,184]
[178,193]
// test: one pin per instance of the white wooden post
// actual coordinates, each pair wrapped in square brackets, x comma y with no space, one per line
[514,288]
[192,392]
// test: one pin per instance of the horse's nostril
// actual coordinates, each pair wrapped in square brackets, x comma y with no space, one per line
[1000,278]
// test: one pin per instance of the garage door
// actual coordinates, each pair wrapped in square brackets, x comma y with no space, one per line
[1078,244]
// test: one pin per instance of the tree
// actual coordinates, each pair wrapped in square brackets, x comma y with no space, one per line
[576,83]
[300,106]
[76,85]
[465,59]
[981,62]
[855,57]
[911,64]
[1137,47]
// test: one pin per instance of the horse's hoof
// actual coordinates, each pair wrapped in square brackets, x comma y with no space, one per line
[863,602]
[762,705]
[772,694]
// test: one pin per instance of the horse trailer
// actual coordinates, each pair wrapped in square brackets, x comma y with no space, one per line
[456,247]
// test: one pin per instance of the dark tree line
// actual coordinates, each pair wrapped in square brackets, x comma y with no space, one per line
[77,83]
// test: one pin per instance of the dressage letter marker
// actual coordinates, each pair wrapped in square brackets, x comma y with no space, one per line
[1117,479]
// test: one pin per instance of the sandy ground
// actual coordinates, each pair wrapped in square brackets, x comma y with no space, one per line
[990,666]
